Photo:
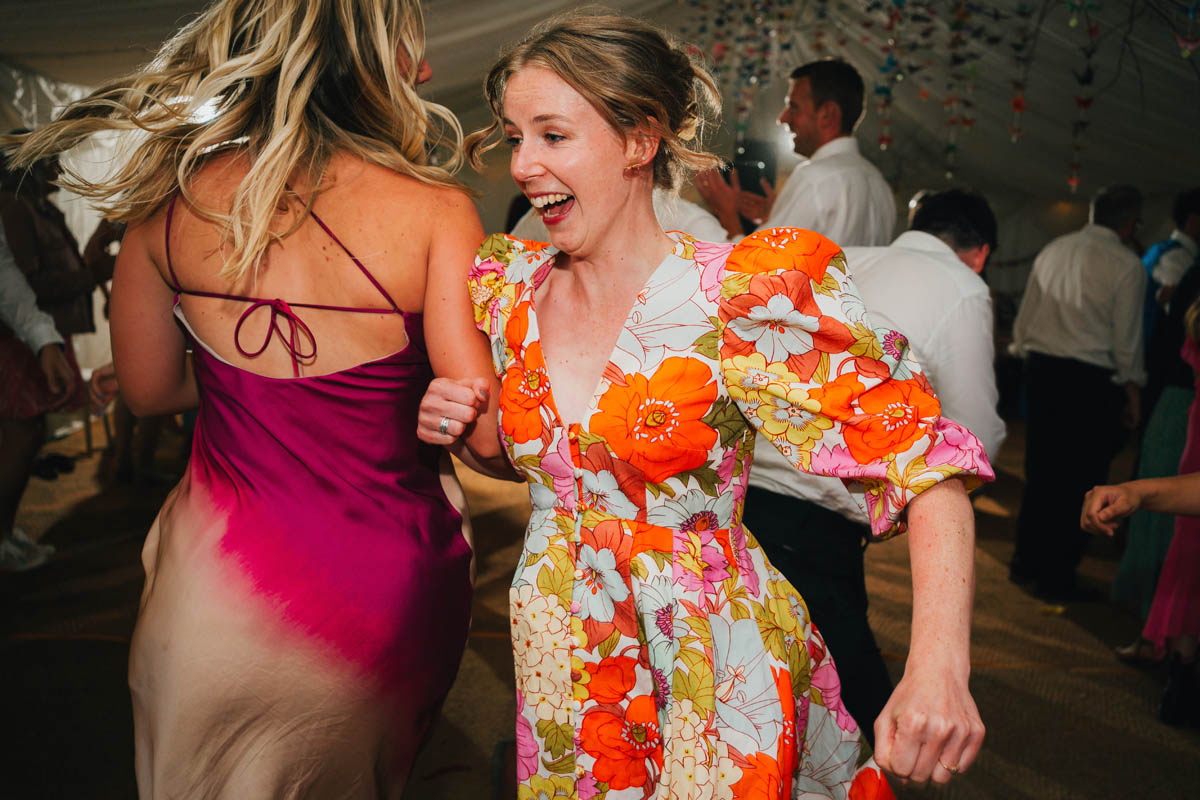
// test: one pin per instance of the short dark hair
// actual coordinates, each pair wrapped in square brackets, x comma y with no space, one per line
[834,80]
[1186,204]
[963,219]
[1113,206]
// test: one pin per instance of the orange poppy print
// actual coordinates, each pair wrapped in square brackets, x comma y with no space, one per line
[760,779]
[784,250]
[611,679]
[523,392]
[654,423]
[625,748]
[869,784]
[896,413]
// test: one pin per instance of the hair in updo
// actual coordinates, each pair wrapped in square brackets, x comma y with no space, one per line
[631,72]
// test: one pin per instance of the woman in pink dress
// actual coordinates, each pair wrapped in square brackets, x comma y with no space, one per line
[1173,626]
[307,586]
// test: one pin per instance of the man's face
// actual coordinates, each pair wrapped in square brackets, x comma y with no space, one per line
[800,116]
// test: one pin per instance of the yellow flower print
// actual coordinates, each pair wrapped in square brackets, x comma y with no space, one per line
[550,787]
[786,609]
[749,376]
[791,414]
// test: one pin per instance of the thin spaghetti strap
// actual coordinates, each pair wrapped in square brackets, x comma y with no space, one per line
[178,287]
[357,263]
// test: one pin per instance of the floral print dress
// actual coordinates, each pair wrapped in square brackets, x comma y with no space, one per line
[657,652]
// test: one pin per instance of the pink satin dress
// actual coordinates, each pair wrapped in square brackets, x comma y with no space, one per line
[307,591]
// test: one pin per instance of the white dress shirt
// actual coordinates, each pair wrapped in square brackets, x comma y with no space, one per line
[844,197]
[917,286]
[673,212]
[1173,263]
[18,305]
[1084,301]
[838,194]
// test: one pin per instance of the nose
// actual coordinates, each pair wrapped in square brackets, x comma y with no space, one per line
[424,72]
[783,117]
[524,164]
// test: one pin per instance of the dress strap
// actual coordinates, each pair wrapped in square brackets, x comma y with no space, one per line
[378,286]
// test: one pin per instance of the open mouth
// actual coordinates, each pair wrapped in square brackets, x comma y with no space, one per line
[553,207]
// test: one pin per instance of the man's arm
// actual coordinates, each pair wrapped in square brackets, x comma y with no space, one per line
[18,305]
[1126,325]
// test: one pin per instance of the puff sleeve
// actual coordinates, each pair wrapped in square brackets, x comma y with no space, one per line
[495,283]
[835,395]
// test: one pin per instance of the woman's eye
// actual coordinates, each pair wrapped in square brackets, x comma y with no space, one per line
[554,137]
[512,141]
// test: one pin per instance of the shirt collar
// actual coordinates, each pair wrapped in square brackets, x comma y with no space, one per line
[1100,231]
[924,242]
[836,147]
[1185,241]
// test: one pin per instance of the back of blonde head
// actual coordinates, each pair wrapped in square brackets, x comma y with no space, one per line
[630,71]
[290,82]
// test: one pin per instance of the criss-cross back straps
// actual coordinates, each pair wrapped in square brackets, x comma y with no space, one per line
[297,330]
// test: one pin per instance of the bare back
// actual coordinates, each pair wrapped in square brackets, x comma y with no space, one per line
[387,221]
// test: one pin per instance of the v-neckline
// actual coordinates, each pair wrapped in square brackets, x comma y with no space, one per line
[535,330]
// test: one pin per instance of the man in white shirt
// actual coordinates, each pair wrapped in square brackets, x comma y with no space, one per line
[1175,258]
[1080,330]
[837,192]
[925,285]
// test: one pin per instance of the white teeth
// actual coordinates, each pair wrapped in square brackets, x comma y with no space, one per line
[543,200]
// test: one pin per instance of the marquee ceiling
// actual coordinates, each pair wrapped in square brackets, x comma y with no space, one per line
[1140,126]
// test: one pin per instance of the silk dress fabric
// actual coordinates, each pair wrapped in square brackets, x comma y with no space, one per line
[307,588]
[657,652]
[1176,607]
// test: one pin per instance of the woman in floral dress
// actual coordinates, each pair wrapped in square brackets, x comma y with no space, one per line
[657,652]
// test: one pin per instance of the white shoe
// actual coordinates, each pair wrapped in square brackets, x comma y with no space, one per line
[24,540]
[15,557]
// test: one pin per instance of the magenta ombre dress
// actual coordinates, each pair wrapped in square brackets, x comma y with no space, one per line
[307,587]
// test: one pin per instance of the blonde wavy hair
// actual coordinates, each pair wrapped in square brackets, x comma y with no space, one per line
[634,74]
[290,82]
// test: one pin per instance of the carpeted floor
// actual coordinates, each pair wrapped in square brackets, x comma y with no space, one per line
[1065,719]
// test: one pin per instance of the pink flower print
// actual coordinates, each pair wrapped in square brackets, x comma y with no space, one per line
[825,678]
[527,746]
[586,788]
[557,464]
[894,344]
[958,447]
[837,462]
[713,258]
[700,562]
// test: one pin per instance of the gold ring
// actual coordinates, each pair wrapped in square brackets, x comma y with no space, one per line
[952,769]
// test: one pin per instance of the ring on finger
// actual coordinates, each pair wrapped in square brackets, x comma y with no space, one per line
[444,426]
[951,768]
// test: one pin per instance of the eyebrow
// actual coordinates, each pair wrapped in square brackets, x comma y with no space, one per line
[538,118]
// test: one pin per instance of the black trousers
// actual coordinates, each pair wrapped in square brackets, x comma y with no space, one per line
[1073,430]
[821,554]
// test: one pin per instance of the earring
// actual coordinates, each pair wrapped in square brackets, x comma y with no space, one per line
[634,166]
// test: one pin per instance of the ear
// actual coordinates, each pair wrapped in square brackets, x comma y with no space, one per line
[641,146]
[829,118]
[976,257]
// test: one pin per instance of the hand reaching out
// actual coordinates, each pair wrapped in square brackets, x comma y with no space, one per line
[449,407]
[102,387]
[1105,506]
[757,207]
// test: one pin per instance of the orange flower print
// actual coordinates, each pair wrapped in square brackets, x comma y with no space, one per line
[760,779]
[869,784]
[786,748]
[778,317]
[897,412]
[626,748]
[784,249]
[522,393]
[654,423]
[611,679]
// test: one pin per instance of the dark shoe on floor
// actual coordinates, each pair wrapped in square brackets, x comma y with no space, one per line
[1138,653]
[1021,575]
[40,469]
[59,462]
[1179,699]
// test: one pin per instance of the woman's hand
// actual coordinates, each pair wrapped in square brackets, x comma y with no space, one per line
[59,375]
[930,728]
[102,386]
[449,407]
[1105,506]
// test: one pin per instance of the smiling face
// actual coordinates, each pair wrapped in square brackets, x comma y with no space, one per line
[800,116]
[567,159]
